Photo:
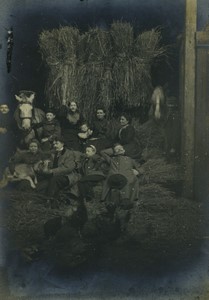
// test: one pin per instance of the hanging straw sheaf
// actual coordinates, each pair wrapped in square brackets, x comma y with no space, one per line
[61,57]
[148,45]
[122,38]
[97,44]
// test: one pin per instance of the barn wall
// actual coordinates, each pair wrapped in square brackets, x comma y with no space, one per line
[202,117]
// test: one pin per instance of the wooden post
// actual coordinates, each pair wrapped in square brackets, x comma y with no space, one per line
[188,127]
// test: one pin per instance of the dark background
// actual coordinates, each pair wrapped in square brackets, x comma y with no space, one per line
[29,18]
[28,70]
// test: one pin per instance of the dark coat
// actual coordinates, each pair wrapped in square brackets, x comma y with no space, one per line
[91,165]
[100,128]
[50,129]
[66,165]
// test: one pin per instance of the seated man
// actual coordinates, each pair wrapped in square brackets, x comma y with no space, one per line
[62,173]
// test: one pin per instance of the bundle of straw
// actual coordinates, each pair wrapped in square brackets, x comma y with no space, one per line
[147,45]
[110,68]
[122,38]
[158,171]
[96,45]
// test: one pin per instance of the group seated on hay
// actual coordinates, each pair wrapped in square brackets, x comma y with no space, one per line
[92,179]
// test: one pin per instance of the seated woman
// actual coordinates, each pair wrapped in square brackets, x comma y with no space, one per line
[70,120]
[122,174]
[100,131]
[126,137]
[29,157]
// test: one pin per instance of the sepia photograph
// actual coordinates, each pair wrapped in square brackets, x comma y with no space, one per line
[104,149]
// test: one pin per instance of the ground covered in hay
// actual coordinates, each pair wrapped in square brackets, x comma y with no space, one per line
[159,227]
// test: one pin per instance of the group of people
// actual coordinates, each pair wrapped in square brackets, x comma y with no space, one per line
[80,155]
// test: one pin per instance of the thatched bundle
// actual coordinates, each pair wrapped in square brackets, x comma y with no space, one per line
[100,67]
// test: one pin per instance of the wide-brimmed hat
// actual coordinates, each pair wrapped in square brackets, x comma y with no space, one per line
[117,181]
[96,176]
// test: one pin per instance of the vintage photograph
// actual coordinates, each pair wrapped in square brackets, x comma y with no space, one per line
[104,149]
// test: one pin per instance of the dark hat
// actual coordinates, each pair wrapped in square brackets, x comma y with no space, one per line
[50,110]
[59,139]
[96,176]
[117,181]
[26,93]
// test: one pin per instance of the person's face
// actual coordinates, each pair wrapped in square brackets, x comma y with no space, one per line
[73,106]
[84,128]
[33,148]
[89,152]
[50,116]
[100,114]
[58,146]
[4,109]
[123,121]
[118,150]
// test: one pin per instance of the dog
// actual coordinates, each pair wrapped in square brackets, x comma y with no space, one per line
[24,172]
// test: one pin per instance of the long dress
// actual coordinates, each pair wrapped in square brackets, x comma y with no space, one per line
[126,137]
[122,165]
[70,123]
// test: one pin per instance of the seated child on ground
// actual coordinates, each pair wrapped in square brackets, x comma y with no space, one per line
[91,173]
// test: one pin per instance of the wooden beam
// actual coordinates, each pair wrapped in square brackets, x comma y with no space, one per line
[189,97]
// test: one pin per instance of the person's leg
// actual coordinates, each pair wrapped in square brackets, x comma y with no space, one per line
[56,184]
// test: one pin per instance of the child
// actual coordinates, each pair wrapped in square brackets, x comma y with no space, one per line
[92,174]
[50,130]
[84,135]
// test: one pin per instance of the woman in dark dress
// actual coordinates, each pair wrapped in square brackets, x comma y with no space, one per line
[100,127]
[70,119]
[126,137]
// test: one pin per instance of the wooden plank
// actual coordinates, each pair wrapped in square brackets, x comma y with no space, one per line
[201,186]
[189,98]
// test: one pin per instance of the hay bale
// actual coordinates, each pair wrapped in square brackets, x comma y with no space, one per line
[99,67]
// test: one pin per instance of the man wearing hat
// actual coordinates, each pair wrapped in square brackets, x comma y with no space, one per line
[50,129]
[61,174]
